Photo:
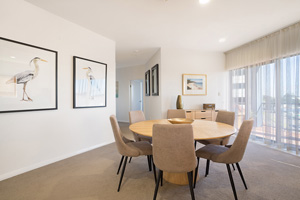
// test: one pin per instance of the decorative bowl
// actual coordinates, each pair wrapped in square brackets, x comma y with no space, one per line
[180,121]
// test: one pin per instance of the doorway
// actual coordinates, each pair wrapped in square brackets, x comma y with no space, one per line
[136,95]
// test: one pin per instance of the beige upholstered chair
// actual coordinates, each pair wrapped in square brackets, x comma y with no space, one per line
[173,113]
[138,116]
[131,149]
[173,151]
[126,140]
[231,155]
[223,117]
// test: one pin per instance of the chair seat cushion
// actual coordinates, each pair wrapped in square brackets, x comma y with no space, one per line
[126,140]
[144,148]
[210,151]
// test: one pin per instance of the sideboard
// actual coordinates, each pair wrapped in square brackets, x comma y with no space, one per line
[209,115]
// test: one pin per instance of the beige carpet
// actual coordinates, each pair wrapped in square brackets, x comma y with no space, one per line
[270,175]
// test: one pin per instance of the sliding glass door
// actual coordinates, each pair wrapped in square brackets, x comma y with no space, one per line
[269,93]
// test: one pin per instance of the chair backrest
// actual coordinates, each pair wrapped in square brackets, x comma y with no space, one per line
[123,148]
[236,152]
[226,117]
[173,147]
[172,113]
[136,116]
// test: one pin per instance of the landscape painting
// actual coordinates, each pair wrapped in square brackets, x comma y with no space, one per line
[28,77]
[194,84]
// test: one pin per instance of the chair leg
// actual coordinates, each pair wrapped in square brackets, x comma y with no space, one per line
[149,163]
[121,161]
[207,167]
[154,169]
[241,174]
[196,172]
[233,167]
[195,144]
[122,174]
[190,177]
[157,184]
[161,179]
[231,181]
[130,159]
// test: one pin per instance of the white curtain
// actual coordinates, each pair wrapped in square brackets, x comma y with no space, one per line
[279,44]
[269,93]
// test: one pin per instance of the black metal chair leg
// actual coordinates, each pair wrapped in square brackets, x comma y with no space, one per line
[154,169]
[149,163]
[207,167]
[121,161]
[231,181]
[195,144]
[123,170]
[196,172]
[190,177]
[241,174]
[157,184]
[161,180]
[233,167]
[130,159]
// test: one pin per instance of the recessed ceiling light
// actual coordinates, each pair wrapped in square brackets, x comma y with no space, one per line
[13,57]
[204,1]
[222,40]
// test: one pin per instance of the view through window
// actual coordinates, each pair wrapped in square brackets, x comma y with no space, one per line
[269,93]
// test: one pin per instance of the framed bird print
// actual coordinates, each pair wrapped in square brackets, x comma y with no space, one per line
[89,83]
[28,77]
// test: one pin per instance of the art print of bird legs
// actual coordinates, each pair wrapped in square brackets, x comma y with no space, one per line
[24,92]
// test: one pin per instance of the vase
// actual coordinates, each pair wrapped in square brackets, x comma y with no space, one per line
[179,103]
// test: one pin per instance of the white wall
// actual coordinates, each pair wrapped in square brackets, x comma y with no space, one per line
[32,139]
[176,62]
[124,75]
[153,109]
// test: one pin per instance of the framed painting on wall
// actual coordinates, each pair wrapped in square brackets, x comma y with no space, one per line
[117,89]
[89,83]
[155,82]
[147,83]
[28,77]
[194,84]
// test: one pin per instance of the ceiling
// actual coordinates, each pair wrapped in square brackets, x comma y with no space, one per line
[141,27]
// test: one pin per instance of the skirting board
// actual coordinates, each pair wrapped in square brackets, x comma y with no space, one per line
[47,162]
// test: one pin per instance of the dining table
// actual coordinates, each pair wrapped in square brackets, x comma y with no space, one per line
[202,129]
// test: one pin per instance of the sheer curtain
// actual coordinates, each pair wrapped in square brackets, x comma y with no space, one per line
[269,94]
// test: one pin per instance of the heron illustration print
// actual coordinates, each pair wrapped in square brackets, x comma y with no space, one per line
[89,83]
[28,77]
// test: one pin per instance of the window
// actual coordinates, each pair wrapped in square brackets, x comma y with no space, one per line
[269,94]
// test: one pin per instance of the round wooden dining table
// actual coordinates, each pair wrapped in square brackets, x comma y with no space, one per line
[203,130]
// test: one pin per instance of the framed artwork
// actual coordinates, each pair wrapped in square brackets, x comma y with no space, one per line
[147,83]
[28,77]
[89,83]
[155,83]
[117,89]
[194,84]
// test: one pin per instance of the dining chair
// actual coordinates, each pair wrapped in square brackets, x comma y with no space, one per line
[126,140]
[130,149]
[173,151]
[234,154]
[134,117]
[176,113]
[225,117]
[138,116]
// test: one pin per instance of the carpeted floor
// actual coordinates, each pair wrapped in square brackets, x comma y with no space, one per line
[270,174]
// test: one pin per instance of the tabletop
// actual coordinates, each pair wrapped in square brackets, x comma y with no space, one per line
[203,130]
